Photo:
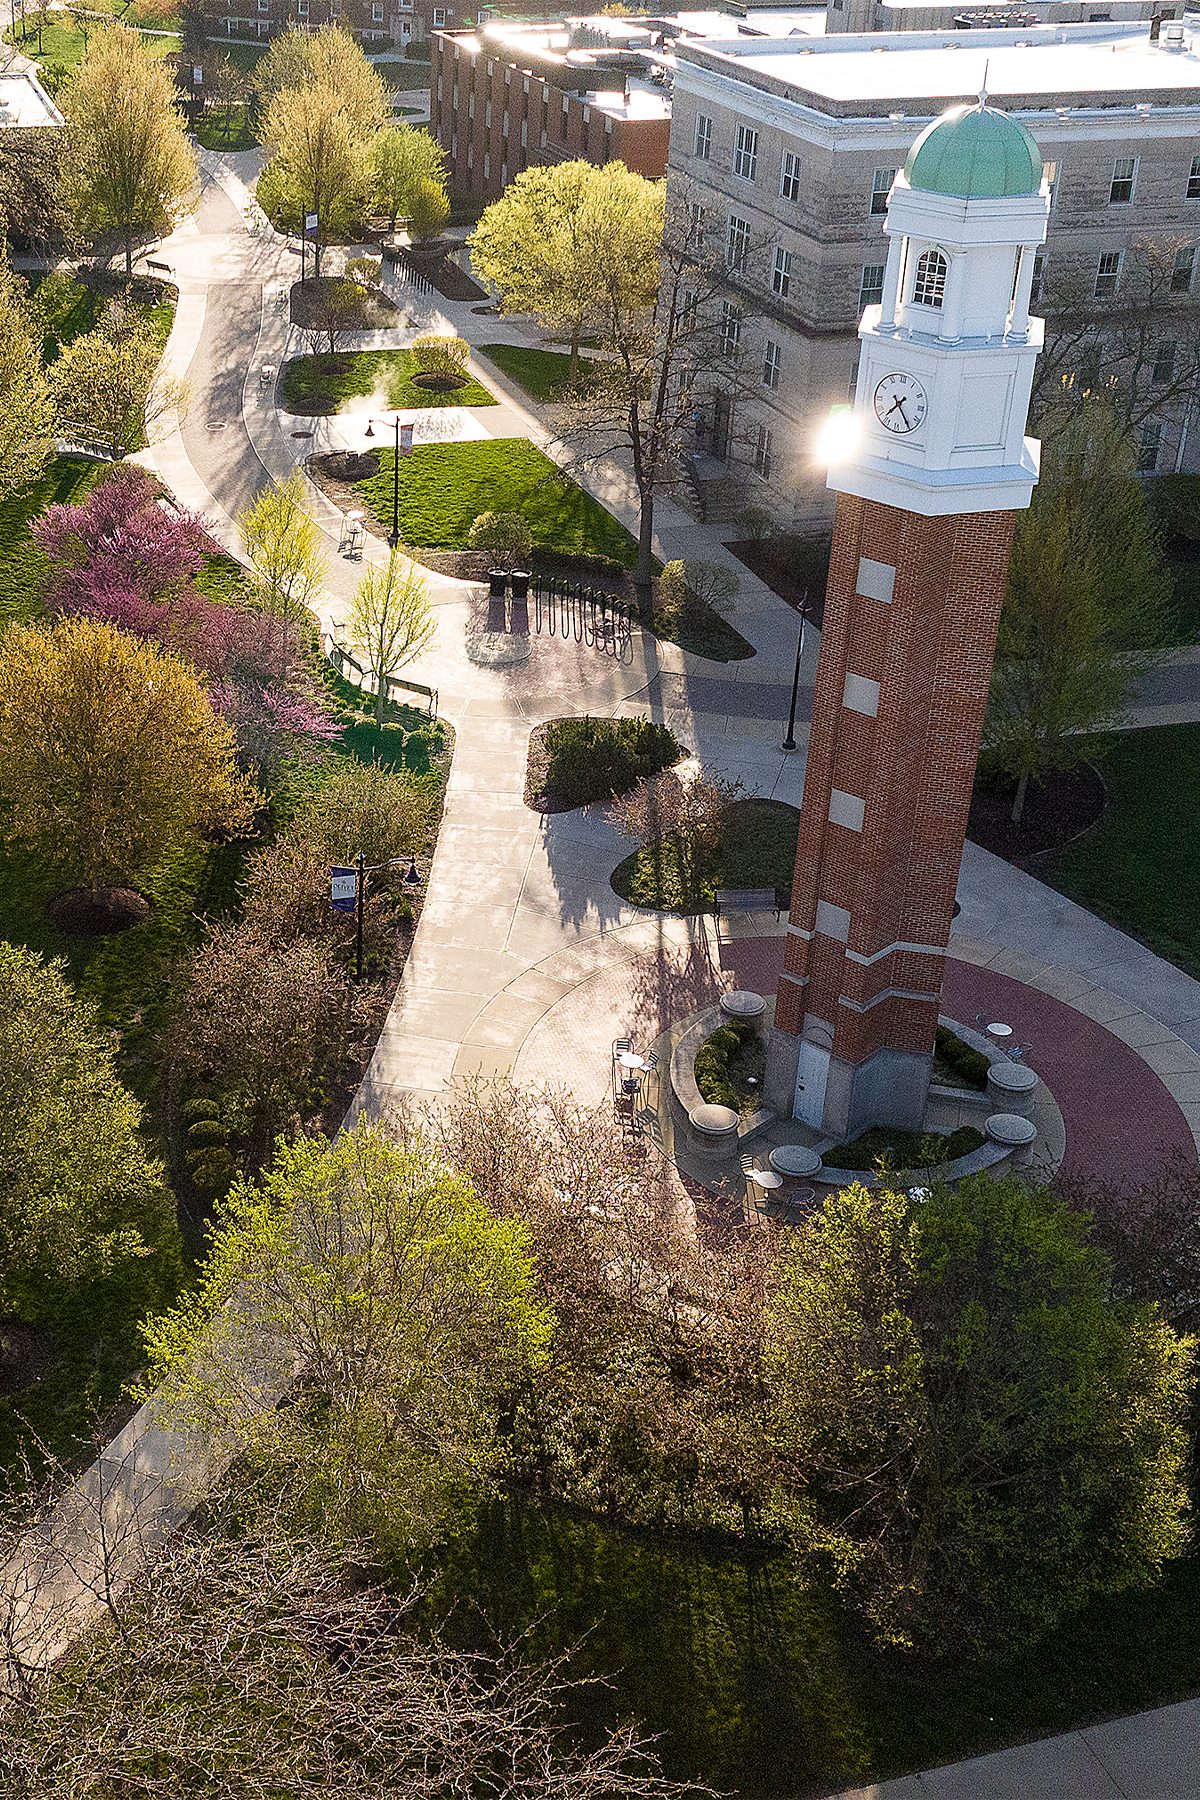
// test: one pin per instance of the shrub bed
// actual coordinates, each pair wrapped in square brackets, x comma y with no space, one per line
[314,386]
[956,1064]
[575,761]
[757,850]
[903,1149]
[730,1065]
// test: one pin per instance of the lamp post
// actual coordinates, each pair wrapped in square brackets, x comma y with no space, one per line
[789,742]
[394,533]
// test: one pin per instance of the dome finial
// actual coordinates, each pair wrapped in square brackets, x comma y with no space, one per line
[983,84]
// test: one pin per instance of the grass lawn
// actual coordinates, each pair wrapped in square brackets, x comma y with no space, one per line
[541,373]
[400,73]
[70,308]
[213,133]
[63,43]
[758,1682]
[23,566]
[758,850]
[1140,868]
[444,488]
[322,383]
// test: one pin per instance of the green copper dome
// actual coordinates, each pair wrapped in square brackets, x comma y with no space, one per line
[975,153]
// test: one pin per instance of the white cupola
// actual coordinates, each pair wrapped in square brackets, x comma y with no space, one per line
[946,364]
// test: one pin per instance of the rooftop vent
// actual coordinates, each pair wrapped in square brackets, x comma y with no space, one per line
[1172,35]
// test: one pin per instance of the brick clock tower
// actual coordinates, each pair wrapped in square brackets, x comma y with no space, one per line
[923,527]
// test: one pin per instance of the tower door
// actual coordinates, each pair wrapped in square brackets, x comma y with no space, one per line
[812,1072]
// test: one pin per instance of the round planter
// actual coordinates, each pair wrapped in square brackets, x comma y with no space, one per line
[1010,1088]
[1015,1134]
[713,1129]
[742,1004]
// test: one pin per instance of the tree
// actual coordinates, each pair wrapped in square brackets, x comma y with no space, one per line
[505,536]
[400,155]
[299,59]
[534,244]
[363,271]
[79,1198]
[333,308]
[26,410]
[283,546]
[119,538]
[685,805]
[243,1661]
[428,209]
[128,166]
[1140,351]
[104,382]
[229,86]
[33,211]
[1087,598]
[110,753]
[390,621]
[270,1023]
[318,161]
[976,1437]
[447,356]
[1150,1231]
[406,1312]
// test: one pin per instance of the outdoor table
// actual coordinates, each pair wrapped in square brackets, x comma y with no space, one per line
[629,1059]
[999,1031]
[767,1179]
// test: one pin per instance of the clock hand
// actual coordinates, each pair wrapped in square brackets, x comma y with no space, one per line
[903,414]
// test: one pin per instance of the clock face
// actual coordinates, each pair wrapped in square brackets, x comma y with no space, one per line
[900,403]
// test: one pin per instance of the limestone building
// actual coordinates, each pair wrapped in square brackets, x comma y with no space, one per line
[788,150]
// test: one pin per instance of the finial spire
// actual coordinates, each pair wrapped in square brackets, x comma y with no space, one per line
[983,84]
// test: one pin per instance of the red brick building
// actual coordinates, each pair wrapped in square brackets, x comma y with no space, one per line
[505,96]
[923,527]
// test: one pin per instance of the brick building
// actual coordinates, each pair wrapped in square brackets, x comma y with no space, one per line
[793,147]
[504,96]
[382,27]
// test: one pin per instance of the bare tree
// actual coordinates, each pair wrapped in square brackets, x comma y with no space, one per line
[1140,348]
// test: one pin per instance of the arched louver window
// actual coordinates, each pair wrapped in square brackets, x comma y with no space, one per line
[929,286]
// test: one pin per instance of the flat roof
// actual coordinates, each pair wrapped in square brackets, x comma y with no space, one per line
[1022,64]
[24,102]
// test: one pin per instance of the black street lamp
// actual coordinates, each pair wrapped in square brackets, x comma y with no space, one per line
[394,533]
[789,742]
[362,868]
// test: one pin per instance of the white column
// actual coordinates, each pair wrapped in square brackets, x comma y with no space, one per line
[891,283]
[1018,318]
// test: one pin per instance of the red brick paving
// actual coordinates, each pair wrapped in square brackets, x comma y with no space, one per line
[1121,1121]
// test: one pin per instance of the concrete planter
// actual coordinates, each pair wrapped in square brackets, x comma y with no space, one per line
[713,1130]
[1011,1087]
[1013,1134]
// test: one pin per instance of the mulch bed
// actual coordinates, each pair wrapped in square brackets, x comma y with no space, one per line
[791,570]
[1057,810]
[83,914]
[445,276]
[375,312]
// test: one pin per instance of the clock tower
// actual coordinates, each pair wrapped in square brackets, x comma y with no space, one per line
[923,527]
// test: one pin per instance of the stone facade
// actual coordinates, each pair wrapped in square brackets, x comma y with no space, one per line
[815,204]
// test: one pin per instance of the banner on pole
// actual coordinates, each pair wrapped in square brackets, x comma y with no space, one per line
[310,221]
[406,439]
[343,889]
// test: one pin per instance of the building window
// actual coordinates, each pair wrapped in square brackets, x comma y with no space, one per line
[929,286]
[1108,273]
[377,13]
[702,147]
[745,153]
[870,285]
[1183,269]
[1193,186]
[302,9]
[1164,362]
[697,226]
[762,451]
[439,17]
[881,187]
[789,176]
[1039,276]
[771,362]
[781,274]
[689,306]
[737,242]
[1050,177]
[1148,447]
[731,328]
[1124,174]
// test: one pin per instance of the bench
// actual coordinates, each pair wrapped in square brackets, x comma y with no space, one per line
[342,659]
[429,694]
[745,900]
[162,267]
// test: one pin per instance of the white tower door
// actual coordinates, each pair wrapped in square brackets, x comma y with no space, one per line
[812,1072]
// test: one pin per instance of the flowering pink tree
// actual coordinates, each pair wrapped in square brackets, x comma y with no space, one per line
[119,541]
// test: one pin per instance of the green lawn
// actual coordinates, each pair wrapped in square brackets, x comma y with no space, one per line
[444,488]
[70,308]
[63,44]
[322,384]
[23,566]
[541,373]
[212,132]
[758,1682]
[400,73]
[1141,866]
[758,850]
